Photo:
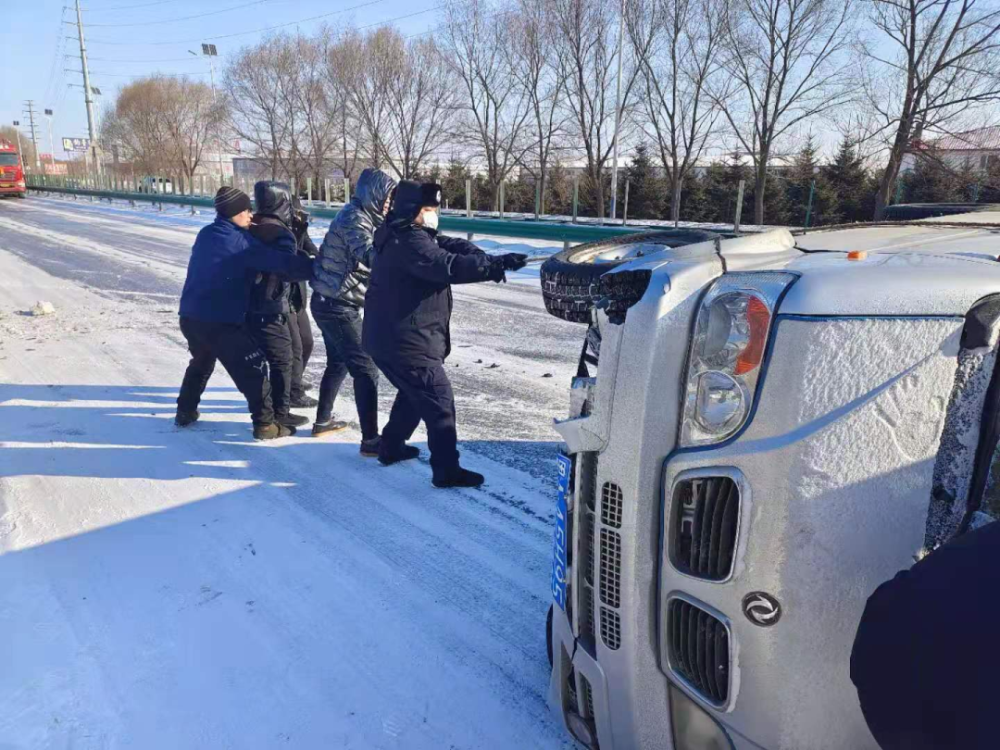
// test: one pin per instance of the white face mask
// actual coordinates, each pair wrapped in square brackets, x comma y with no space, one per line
[431,219]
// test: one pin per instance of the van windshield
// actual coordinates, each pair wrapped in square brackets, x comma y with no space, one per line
[8,160]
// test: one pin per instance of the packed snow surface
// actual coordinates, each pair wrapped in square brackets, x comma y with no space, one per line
[168,588]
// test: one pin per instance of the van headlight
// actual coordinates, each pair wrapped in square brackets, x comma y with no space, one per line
[727,351]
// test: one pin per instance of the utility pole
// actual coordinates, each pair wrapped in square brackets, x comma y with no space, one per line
[30,112]
[618,113]
[87,98]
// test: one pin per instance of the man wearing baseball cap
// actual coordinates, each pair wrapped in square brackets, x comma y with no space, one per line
[407,318]
[224,262]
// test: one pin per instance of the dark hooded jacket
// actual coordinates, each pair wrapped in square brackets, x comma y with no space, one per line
[345,257]
[408,307]
[272,226]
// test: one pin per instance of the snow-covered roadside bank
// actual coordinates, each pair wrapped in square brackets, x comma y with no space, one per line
[162,588]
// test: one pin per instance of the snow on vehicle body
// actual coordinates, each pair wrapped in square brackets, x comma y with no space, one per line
[11,171]
[773,431]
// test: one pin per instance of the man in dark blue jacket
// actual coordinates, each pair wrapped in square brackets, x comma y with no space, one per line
[925,660]
[224,261]
[406,328]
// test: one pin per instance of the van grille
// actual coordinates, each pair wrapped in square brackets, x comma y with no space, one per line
[611,628]
[706,515]
[611,567]
[611,505]
[698,646]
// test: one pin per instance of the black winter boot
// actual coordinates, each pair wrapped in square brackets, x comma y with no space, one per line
[370,447]
[304,402]
[388,457]
[292,420]
[458,477]
[185,418]
[272,431]
[322,429]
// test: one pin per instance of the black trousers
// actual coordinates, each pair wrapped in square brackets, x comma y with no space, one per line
[300,330]
[272,336]
[424,394]
[243,359]
[340,325]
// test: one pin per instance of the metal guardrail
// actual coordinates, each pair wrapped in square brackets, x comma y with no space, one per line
[556,231]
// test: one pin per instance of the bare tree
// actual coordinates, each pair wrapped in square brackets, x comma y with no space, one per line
[343,59]
[420,100]
[785,59]
[261,86]
[934,64]
[494,107]
[376,60]
[319,133]
[164,123]
[680,67]
[539,64]
[588,31]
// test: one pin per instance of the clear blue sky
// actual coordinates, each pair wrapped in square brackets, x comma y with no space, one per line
[147,36]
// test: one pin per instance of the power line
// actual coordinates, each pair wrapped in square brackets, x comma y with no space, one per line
[149,62]
[123,7]
[181,18]
[258,31]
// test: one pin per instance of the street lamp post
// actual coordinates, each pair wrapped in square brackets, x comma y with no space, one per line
[52,147]
[20,151]
[210,51]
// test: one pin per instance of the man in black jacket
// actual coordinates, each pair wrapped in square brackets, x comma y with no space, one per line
[269,314]
[224,261]
[407,319]
[299,326]
[339,286]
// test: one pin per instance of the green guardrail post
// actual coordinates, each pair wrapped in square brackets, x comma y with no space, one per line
[809,205]
[625,207]
[326,189]
[576,197]
[468,199]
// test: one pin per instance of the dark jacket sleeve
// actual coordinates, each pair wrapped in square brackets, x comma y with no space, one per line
[435,264]
[278,257]
[458,246]
[308,246]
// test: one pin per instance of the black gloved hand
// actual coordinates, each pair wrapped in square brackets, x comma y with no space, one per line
[300,223]
[514,261]
[496,271]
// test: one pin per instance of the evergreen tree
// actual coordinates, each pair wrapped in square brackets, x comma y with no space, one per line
[646,189]
[930,181]
[559,190]
[805,178]
[694,203]
[851,184]
[453,183]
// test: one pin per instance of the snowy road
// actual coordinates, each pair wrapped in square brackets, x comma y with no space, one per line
[169,589]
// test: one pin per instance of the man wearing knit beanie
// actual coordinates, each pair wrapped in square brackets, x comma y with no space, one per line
[224,261]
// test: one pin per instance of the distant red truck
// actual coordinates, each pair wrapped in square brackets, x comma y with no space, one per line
[11,171]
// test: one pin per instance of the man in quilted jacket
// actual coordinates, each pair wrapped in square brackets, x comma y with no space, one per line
[339,287]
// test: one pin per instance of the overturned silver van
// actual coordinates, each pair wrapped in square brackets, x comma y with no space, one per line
[763,430]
